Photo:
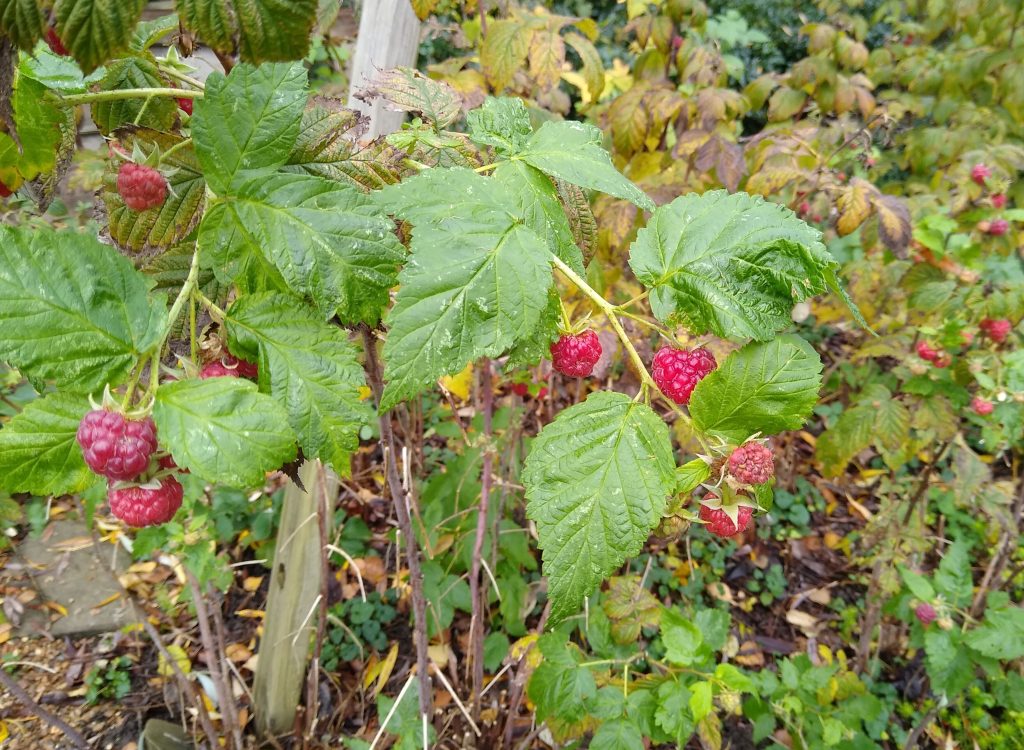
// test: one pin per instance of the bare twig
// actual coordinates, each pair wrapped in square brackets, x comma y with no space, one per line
[477,597]
[926,476]
[925,722]
[15,688]
[400,499]
[1004,550]
[226,702]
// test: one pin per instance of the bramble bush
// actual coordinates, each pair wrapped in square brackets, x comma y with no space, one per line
[252,262]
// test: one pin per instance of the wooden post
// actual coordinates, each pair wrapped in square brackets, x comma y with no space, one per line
[389,36]
[292,605]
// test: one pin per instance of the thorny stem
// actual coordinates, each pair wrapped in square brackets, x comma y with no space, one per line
[172,73]
[478,598]
[186,291]
[110,96]
[175,147]
[400,499]
[210,305]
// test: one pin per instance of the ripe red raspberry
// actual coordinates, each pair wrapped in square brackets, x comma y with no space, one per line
[925,613]
[999,227]
[980,173]
[229,366]
[719,523]
[576,355]
[139,506]
[996,329]
[752,463]
[982,407]
[54,42]
[803,209]
[925,351]
[5,191]
[185,105]
[677,371]
[114,446]
[141,187]
[998,200]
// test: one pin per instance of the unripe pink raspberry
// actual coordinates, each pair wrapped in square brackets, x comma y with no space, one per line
[139,506]
[999,227]
[752,463]
[925,613]
[982,407]
[943,360]
[141,187]
[677,371]
[925,351]
[575,355]
[116,447]
[996,329]
[980,173]
[718,522]
[998,200]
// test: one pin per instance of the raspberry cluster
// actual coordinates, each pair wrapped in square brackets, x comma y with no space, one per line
[575,355]
[677,371]
[122,450]
[996,329]
[141,187]
[229,366]
[752,463]
[717,521]
[937,357]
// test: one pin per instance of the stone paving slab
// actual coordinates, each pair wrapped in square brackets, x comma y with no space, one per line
[65,569]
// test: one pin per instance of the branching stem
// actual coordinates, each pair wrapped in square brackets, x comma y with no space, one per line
[110,96]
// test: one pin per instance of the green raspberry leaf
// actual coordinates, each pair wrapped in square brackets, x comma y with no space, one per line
[681,638]
[541,210]
[572,151]
[72,310]
[265,30]
[597,479]
[38,451]
[732,264]
[762,388]
[223,430]
[1001,635]
[502,122]
[248,120]
[327,241]
[852,432]
[94,31]
[620,734]
[312,369]
[477,281]
[559,687]
[22,22]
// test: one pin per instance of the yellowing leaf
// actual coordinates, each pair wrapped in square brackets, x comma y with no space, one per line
[252,583]
[854,206]
[593,70]
[547,53]
[177,653]
[459,384]
[423,8]
[893,221]
[503,51]
[381,670]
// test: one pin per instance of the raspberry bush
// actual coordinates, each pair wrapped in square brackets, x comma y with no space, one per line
[253,260]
